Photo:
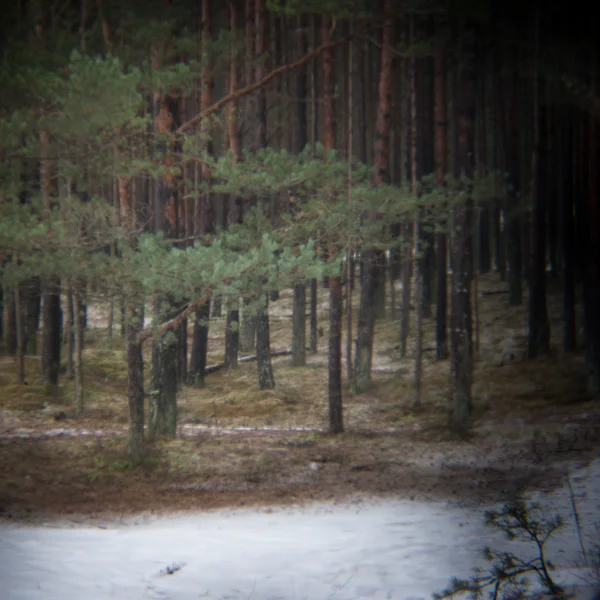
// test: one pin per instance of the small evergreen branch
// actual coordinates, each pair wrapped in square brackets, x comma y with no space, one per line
[518,521]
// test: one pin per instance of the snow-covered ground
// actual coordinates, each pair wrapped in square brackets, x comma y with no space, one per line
[366,549]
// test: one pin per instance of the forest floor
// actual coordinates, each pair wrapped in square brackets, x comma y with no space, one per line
[240,446]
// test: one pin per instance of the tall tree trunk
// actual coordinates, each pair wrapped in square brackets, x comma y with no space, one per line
[197,367]
[300,139]
[299,325]
[313,317]
[232,331]
[461,364]
[539,325]
[31,299]
[205,223]
[51,340]
[69,332]
[371,261]
[20,337]
[441,168]
[9,322]
[336,421]
[266,379]
[513,219]
[417,250]
[314,138]
[569,250]
[135,384]
[591,287]
[78,354]
[248,328]
[51,312]
[163,405]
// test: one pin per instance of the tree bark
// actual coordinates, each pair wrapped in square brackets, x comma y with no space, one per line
[569,251]
[78,350]
[441,168]
[373,274]
[266,380]
[9,322]
[300,139]
[539,324]
[336,423]
[51,336]
[313,317]
[461,365]
[299,325]
[199,346]
[135,384]
[20,337]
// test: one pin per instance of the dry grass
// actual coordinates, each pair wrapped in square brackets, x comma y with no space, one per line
[390,446]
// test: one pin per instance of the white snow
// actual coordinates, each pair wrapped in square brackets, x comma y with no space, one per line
[366,549]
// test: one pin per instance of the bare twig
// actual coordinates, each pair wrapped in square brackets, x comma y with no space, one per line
[577,520]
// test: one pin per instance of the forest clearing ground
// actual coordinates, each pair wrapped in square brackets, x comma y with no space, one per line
[239,445]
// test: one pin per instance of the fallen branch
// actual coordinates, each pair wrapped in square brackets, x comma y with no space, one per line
[492,292]
[214,368]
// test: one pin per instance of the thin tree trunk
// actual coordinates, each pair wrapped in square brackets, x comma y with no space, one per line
[51,340]
[539,324]
[78,355]
[313,317]
[266,380]
[300,139]
[69,332]
[336,422]
[568,267]
[591,287]
[197,365]
[461,364]
[417,250]
[441,168]
[248,328]
[513,219]
[20,337]
[31,300]
[371,259]
[232,326]
[136,449]
[9,329]
[299,325]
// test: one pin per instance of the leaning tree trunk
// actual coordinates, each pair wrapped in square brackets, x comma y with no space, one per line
[461,364]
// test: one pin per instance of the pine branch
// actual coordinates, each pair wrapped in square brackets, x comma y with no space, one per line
[174,322]
[262,82]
